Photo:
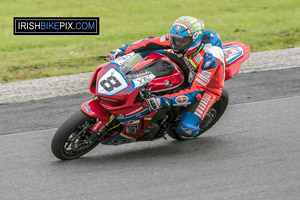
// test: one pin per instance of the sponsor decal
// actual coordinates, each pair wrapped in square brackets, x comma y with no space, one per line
[206,74]
[96,126]
[134,112]
[233,53]
[181,99]
[167,37]
[167,83]
[198,58]
[87,108]
[131,128]
[203,78]
[143,80]
[162,38]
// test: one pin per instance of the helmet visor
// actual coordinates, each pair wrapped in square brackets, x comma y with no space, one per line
[181,42]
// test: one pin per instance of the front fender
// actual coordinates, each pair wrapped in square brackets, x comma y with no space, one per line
[94,109]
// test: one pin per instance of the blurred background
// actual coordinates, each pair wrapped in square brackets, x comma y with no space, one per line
[262,24]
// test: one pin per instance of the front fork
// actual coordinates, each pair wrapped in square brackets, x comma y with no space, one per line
[100,129]
[94,109]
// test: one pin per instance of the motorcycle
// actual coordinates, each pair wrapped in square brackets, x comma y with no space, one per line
[119,114]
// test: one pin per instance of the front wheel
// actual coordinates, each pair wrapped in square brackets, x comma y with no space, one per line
[71,140]
[212,116]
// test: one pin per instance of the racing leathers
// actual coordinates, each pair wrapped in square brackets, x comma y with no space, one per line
[206,77]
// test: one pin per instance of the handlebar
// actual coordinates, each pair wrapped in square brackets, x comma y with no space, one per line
[106,57]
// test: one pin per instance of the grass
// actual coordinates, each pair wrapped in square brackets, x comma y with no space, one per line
[262,24]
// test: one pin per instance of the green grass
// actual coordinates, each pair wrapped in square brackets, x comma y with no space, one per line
[262,24]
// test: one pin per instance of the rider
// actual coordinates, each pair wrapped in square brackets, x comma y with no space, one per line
[202,52]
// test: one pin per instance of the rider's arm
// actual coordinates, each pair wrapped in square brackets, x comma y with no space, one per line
[202,79]
[149,44]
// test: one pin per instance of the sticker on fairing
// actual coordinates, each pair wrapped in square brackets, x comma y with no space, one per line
[140,81]
[87,108]
[131,128]
[233,52]
[111,83]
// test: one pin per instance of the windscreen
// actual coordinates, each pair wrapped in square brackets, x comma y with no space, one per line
[128,62]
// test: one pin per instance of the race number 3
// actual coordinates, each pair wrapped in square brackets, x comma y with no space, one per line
[111,83]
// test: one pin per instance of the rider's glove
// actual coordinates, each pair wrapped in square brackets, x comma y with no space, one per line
[155,103]
[115,53]
[118,52]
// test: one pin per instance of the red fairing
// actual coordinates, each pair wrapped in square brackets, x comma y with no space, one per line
[92,86]
[125,98]
[94,109]
[234,67]
[167,82]
[134,115]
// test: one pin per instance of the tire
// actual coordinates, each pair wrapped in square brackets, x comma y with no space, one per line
[212,116]
[220,107]
[71,139]
[171,131]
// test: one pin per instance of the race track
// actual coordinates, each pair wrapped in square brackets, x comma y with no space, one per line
[252,153]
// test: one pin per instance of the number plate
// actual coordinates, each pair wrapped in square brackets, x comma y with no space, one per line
[111,83]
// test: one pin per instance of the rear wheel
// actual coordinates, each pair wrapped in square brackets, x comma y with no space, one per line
[72,139]
[212,116]
[215,112]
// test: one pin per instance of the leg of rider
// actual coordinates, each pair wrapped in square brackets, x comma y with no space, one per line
[189,126]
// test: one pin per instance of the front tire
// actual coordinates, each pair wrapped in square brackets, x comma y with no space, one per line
[71,140]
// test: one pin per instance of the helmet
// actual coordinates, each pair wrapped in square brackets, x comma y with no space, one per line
[186,35]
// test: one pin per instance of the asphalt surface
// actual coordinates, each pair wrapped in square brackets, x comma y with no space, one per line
[251,153]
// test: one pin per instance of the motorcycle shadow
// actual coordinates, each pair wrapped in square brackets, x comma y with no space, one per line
[143,152]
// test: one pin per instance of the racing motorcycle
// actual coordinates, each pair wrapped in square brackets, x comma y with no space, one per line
[119,114]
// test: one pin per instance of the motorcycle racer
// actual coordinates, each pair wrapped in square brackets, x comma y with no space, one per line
[201,50]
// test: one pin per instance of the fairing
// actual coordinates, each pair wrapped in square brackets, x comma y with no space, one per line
[116,86]
[235,53]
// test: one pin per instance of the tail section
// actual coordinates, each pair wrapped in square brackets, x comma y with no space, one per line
[235,53]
